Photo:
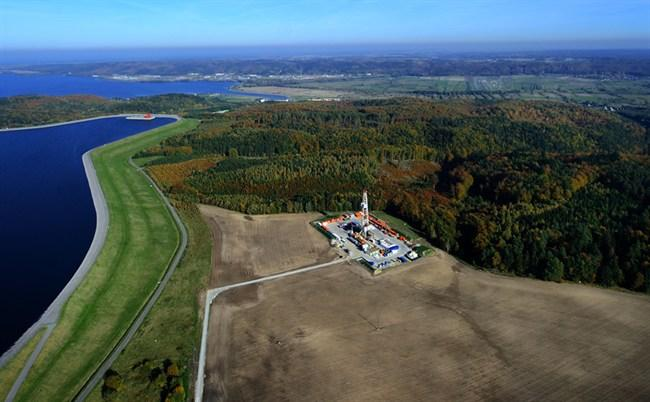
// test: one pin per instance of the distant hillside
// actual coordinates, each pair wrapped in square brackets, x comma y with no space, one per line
[635,64]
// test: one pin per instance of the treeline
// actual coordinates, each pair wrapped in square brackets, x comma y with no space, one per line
[19,111]
[538,189]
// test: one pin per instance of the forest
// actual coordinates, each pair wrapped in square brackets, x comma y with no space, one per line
[541,189]
[18,111]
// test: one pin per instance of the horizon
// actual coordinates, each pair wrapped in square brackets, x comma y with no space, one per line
[70,25]
[25,57]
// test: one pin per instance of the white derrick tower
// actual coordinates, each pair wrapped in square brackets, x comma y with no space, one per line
[365,218]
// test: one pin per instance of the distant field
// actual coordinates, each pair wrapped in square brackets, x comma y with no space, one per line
[576,89]
[378,86]
[298,93]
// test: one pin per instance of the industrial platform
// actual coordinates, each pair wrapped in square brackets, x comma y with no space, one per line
[368,239]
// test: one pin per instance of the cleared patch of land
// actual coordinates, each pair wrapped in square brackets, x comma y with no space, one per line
[248,246]
[298,93]
[402,227]
[141,240]
[434,330]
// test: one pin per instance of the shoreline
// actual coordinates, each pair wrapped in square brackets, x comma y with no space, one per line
[231,88]
[51,314]
[170,116]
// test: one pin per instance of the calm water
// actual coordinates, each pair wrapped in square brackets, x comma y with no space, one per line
[57,85]
[47,217]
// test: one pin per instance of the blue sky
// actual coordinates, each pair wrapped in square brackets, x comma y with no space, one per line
[163,23]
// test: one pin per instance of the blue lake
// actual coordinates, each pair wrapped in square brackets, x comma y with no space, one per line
[58,85]
[47,217]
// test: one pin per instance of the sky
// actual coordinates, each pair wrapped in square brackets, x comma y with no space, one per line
[69,24]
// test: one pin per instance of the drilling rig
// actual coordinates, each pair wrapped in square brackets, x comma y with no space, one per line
[365,215]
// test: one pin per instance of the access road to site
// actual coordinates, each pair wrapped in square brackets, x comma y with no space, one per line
[213,293]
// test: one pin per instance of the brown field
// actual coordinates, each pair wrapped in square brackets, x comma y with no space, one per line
[298,93]
[434,330]
[248,247]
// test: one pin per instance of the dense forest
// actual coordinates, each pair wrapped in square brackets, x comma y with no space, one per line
[540,189]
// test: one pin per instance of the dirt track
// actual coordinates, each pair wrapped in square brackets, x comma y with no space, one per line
[436,330]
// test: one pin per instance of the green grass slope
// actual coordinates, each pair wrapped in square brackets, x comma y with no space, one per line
[11,370]
[142,238]
[171,332]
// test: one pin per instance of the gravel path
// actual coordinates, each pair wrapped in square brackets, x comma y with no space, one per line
[213,293]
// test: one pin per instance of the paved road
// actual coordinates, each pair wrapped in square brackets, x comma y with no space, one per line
[110,359]
[213,293]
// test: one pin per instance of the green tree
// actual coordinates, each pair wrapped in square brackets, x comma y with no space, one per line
[554,269]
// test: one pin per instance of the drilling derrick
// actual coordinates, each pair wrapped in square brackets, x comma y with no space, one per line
[365,219]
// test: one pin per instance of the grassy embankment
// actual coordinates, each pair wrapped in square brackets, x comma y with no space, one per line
[172,328]
[9,373]
[142,239]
